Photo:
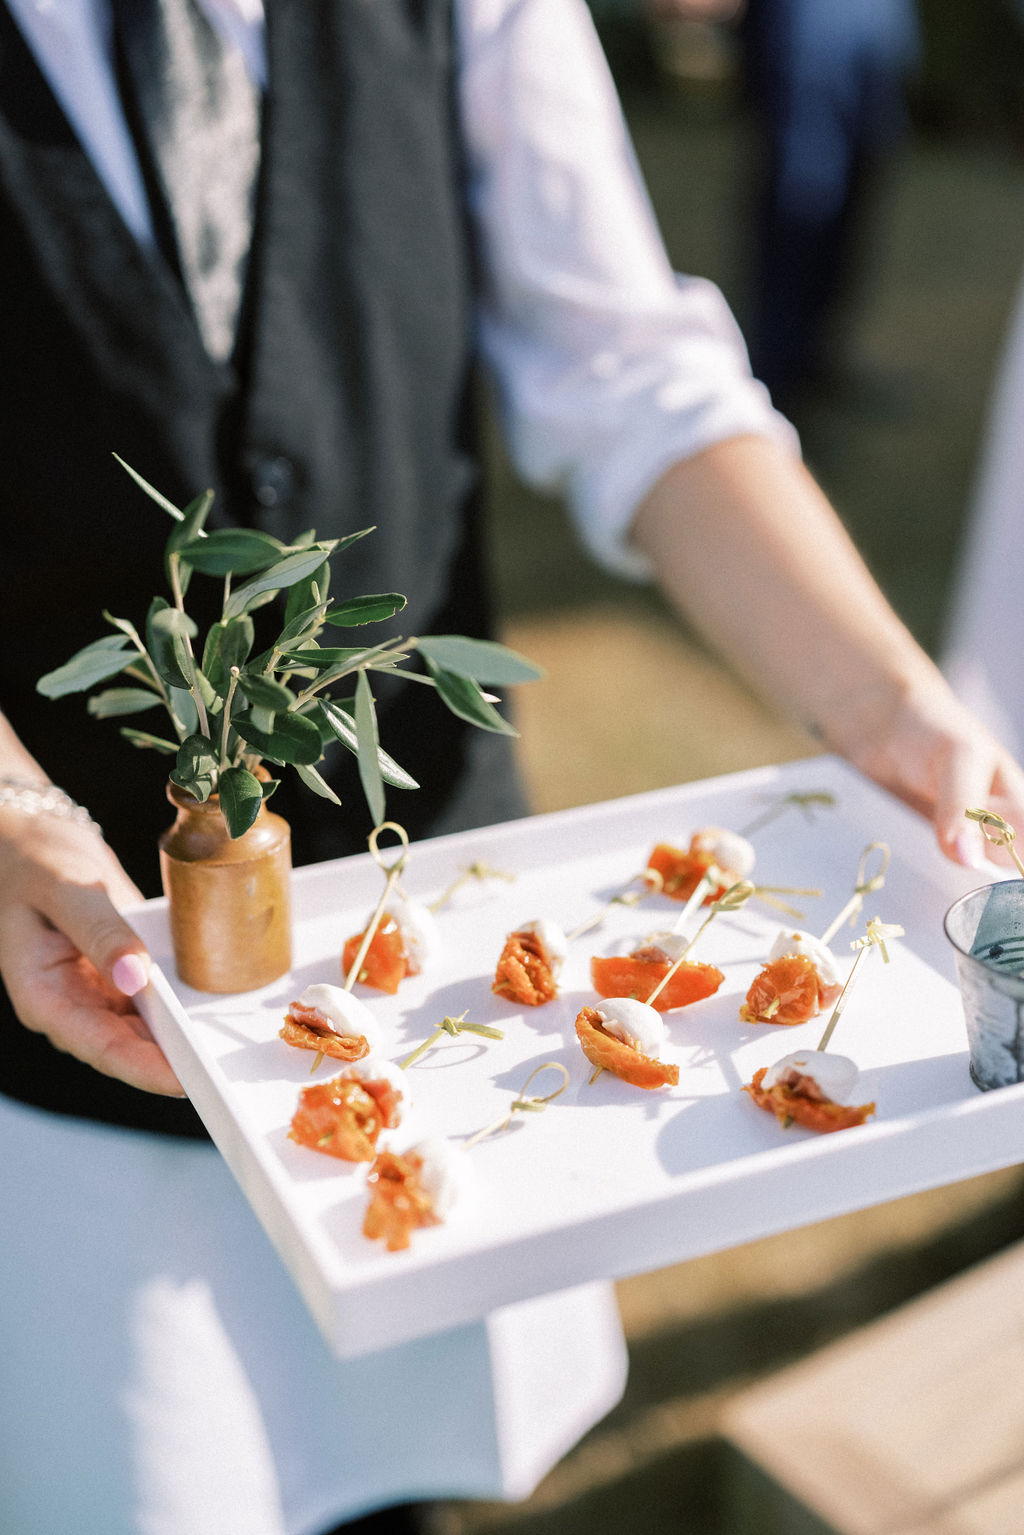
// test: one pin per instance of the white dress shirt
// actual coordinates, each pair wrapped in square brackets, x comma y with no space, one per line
[608,366]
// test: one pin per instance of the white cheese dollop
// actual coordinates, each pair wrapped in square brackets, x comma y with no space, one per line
[447,1174]
[372,1068]
[633,1022]
[345,1013]
[732,853]
[671,944]
[836,1075]
[418,928]
[553,942]
[792,941]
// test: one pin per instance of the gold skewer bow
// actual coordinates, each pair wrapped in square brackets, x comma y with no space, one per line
[997,831]
[524,1104]
[454,1027]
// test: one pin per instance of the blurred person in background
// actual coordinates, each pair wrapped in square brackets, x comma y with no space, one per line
[826,79]
[429,186]
[826,82]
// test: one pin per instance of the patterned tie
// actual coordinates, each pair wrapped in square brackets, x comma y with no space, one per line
[195,116]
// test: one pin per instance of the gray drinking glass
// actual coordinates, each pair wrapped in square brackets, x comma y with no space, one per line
[986,929]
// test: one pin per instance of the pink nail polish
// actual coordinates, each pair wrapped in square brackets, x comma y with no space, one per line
[968,853]
[129,974]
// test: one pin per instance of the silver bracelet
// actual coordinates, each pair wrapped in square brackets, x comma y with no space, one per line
[43,799]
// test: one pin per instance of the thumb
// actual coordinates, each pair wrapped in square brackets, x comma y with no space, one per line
[87,916]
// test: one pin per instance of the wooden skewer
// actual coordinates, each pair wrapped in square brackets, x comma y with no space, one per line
[875,936]
[392,871]
[864,885]
[803,800]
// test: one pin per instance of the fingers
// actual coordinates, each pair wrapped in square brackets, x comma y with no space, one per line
[69,960]
[982,777]
[56,991]
[87,916]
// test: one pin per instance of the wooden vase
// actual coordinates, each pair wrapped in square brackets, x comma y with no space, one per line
[229,898]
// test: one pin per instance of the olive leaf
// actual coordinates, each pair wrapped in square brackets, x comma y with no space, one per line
[241,795]
[115,701]
[365,610]
[231,552]
[367,747]
[188,530]
[195,769]
[324,658]
[464,698]
[312,779]
[265,693]
[482,661]
[142,738]
[285,573]
[97,662]
[154,495]
[166,628]
[342,727]
[227,645]
[293,739]
[308,595]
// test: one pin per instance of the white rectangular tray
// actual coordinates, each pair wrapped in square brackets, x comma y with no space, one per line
[609,1180]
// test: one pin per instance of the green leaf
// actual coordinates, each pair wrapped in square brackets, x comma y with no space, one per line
[143,738]
[293,568]
[302,626]
[125,625]
[241,795]
[95,663]
[352,538]
[342,727]
[231,552]
[183,710]
[312,779]
[196,767]
[365,610]
[480,660]
[324,658]
[294,739]
[308,594]
[368,746]
[115,701]
[270,786]
[464,698]
[206,691]
[187,531]
[227,645]
[154,495]
[165,628]
[265,693]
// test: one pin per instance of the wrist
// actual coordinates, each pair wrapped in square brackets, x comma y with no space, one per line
[36,796]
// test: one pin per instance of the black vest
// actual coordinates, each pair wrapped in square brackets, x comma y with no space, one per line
[347,404]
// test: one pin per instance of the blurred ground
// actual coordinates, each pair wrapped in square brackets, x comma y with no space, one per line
[632,703]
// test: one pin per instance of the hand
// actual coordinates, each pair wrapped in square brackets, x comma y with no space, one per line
[936,756]
[70,962]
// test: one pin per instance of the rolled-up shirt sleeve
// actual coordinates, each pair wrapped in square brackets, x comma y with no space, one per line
[609,367]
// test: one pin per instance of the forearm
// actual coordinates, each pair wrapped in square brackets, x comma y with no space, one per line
[744,542]
[746,545]
[15,760]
